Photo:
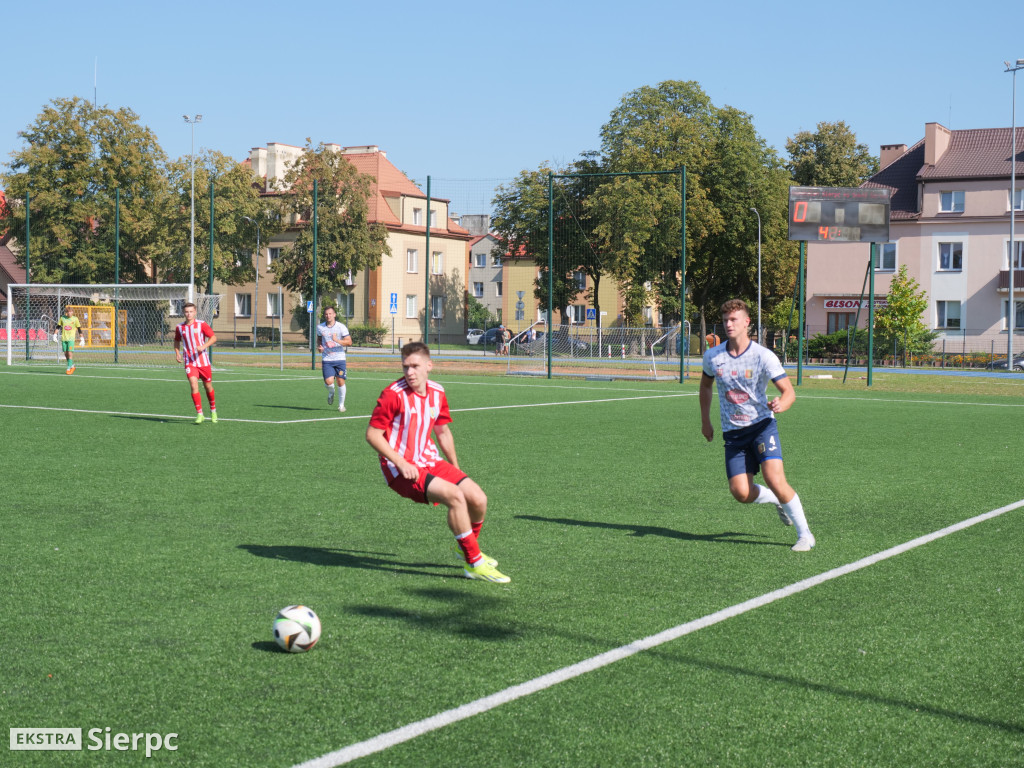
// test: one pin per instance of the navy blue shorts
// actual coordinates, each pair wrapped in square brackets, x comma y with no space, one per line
[333,369]
[746,448]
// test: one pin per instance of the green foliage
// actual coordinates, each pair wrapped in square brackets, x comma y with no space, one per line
[829,157]
[346,240]
[235,197]
[478,316]
[75,159]
[900,320]
[368,335]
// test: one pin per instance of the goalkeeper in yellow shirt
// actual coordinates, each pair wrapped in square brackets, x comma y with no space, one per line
[68,326]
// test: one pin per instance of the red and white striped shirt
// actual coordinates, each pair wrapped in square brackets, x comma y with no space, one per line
[191,336]
[407,420]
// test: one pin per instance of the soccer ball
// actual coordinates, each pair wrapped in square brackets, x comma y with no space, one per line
[296,628]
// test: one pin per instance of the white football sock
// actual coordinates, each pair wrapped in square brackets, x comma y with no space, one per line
[795,510]
[341,395]
[765,495]
[330,387]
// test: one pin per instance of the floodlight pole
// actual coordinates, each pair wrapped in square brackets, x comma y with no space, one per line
[760,337]
[192,238]
[1011,309]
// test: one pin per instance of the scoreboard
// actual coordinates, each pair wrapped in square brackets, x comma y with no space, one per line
[839,214]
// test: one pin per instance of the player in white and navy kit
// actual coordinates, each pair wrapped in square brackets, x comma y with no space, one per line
[332,338]
[194,337]
[741,369]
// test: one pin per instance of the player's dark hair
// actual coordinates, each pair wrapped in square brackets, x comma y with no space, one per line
[735,305]
[188,304]
[415,348]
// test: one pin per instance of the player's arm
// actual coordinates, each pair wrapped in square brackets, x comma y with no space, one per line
[177,346]
[211,338]
[704,396]
[787,395]
[379,443]
[446,442]
[347,341]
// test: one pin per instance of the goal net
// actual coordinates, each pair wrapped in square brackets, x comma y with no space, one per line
[126,324]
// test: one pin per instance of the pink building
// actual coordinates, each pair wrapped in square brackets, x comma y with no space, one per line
[950,225]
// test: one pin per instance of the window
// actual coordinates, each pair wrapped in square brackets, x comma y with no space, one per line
[346,305]
[478,290]
[177,308]
[433,217]
[496,260]
[273,254]
[948,314]
[579,278]
[411,260]
[1018,257]
[273,305]
[951,202]
[542,316]
[498,288]
[410,306]
[839,321]
[1018,320]
[243,305]
[417,217]
[437,263]
[437,307]
[577,314]
[479,259]
[1018,196]
[885,259]
[951,257]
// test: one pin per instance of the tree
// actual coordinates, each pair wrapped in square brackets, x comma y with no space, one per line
[829,157]
[76,158]
[900,320]
[729,169]
[346,239]
[236,197]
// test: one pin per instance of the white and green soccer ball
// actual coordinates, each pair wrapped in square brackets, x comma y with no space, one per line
[296,628]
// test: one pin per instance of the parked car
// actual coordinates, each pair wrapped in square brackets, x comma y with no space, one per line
[1000,364]
[489,337]
[473,335]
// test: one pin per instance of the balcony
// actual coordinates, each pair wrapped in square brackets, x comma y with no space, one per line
[1004,281]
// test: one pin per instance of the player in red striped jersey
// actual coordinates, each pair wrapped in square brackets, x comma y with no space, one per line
[195,337]
[407,412]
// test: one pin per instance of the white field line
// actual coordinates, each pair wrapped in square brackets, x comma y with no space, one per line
[336,418]
[443,719]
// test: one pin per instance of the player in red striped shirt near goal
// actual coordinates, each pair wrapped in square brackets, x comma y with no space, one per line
[191,340]
[407,412]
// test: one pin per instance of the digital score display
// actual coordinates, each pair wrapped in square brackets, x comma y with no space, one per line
[839,214]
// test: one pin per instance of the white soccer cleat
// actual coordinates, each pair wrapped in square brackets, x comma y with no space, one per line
[804,543]
[341,409]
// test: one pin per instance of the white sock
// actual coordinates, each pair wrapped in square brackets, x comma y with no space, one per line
[330,387]
[341,395]
[765,495]
[795,510]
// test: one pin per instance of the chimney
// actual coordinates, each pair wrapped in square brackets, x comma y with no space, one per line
[936,142]
[889,153]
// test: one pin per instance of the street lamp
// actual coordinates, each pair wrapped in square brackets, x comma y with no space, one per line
[192,248]
[1011,308]
[256,293]
[760,338]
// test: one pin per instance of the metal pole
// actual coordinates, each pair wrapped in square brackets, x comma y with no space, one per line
[800,317]
[1011,309]
[280,325]
[685,347]
[760,338]
[117,267]
[256,292]
[426,288]
[871,313]
[192,231]
[551,260]
[314,315]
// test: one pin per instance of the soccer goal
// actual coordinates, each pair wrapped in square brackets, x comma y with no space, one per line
[121,324]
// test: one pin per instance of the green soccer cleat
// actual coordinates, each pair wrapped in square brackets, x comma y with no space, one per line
[199,418]
[485,572]
[487,559]
[213,417]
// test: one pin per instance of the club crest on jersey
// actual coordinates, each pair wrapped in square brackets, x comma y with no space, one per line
[720,371]
[749,373]
[434,412]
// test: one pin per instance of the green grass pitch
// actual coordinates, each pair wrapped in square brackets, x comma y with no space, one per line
[143,558]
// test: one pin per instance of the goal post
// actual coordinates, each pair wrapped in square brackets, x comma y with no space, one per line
[122,324]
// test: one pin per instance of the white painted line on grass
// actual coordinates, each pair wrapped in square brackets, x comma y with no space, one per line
[436,722]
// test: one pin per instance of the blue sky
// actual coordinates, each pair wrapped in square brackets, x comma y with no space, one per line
[479,91]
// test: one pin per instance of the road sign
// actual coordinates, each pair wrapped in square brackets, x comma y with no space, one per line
[393,307]
[309,307]
[591,313]
[520,294]
[520,305]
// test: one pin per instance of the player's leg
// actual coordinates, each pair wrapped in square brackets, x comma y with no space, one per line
[342,378]
[211,397]
[197,401]
[460,522]
[328,371]
[775,476]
